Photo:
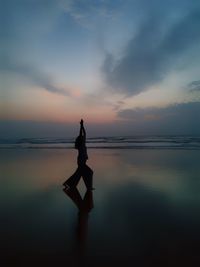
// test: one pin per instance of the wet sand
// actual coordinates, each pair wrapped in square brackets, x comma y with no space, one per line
[145,210]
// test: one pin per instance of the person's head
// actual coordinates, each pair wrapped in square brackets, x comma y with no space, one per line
[79,142]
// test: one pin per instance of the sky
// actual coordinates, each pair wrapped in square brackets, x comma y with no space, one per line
[124,66]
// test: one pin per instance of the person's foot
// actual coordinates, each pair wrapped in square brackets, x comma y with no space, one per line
[90,188]
[67,187]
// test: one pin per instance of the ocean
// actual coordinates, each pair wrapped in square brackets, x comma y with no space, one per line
[126,142]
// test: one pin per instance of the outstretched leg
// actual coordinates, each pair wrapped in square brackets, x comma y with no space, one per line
[87,175]
[73,180]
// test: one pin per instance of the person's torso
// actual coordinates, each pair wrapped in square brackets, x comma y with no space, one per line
[82,153]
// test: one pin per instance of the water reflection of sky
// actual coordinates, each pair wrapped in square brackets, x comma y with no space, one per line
[146,207]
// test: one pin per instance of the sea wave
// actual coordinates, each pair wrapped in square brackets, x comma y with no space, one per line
[121,142]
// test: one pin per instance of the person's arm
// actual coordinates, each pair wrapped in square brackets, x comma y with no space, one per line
[82,130]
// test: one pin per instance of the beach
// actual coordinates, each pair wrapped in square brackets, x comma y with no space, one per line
[144,211]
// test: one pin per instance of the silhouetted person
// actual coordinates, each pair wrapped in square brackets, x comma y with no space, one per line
[83,170]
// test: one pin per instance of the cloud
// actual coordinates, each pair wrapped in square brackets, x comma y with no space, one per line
[28,22]
[194,86]
[174,119]
[86,11]
[154,50]
[32,74]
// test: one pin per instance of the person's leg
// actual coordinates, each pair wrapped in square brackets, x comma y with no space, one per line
[73,180]
[87,175]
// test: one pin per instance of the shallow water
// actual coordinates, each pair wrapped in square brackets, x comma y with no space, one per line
[146,209]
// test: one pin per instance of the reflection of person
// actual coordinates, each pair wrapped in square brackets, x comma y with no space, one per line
[82,170]
[84,205]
